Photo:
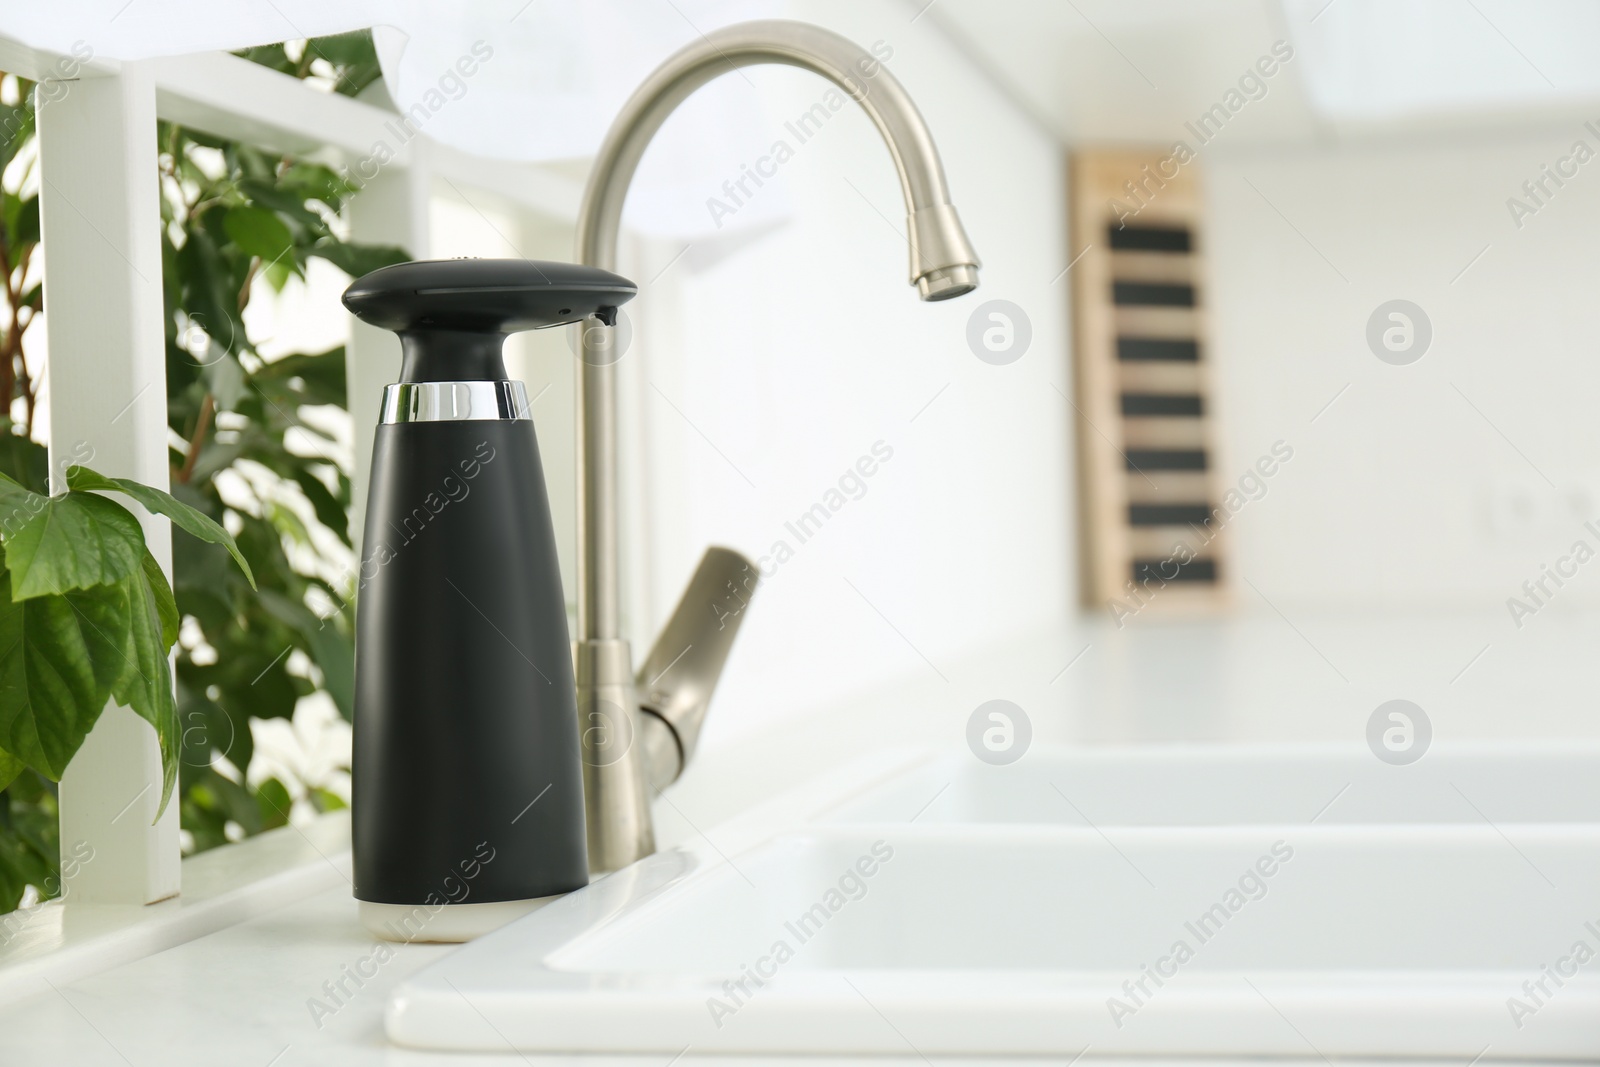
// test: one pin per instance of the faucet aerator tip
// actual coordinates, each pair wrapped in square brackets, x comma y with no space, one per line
[946,283]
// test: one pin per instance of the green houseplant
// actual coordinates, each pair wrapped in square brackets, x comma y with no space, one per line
[86,614]
[259,603]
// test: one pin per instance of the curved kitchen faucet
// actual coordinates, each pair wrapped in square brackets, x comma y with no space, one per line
[624,746]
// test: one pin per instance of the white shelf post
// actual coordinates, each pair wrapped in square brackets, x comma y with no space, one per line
[100,213]
[393,209]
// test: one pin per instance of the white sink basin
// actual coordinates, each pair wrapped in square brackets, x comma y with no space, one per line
[829,933]
[1219,786]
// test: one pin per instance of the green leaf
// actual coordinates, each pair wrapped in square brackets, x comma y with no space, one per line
[258,232]
[278,273]
[330,648]
[352,55]
[119,630]
[166,605]
[315,379]
[10,767]
[269,55]
[16,127]
[25,860]
[357,260]
[288,523]
[288,205]
[50,693]
[190,520]
[317,182]
[21,221]
[27,223]
[275,803]
[224,378]
[326,800]
[209,730]
[215,456]
[210,284]
[268,690]
[16,503]
[145,684]
[330,511]
[60,543]
[25,461]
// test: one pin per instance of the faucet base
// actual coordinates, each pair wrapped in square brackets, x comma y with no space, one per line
[615,802]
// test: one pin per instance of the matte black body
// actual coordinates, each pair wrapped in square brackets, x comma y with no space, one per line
[465,707]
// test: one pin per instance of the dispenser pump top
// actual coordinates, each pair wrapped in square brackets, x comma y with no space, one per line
[453,315]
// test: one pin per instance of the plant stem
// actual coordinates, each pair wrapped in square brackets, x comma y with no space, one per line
[12,341]
[249,278]
[202,425]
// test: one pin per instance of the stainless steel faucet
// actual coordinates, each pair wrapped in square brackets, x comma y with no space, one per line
[626,746]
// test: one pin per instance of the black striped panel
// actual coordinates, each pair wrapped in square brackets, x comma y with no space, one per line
[1158,350]
[1149,239]
[1170,570]
[1152,294]
[1168,514]
[1166,459]
[1180,404]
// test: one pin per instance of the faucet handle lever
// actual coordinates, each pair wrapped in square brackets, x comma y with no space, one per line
[677,678]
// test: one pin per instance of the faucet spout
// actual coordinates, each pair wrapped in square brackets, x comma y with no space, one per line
[943,265]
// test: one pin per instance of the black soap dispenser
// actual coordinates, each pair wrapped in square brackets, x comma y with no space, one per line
[468,793]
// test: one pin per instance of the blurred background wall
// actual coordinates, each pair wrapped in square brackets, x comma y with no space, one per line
[769,357]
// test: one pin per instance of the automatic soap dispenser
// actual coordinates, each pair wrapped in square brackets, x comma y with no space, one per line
[468,791]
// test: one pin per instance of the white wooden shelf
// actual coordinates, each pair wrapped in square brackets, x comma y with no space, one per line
[100,207]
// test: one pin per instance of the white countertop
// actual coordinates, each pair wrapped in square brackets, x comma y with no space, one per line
[240,994]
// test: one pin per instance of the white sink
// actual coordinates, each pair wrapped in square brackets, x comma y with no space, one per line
[1213,785]
[974,930]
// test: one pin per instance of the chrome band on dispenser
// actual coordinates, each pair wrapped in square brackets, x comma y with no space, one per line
[454,401]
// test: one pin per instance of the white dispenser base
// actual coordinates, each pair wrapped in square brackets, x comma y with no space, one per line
[446,923]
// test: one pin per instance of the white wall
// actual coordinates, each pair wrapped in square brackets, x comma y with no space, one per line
[791,354]
[1401,495]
